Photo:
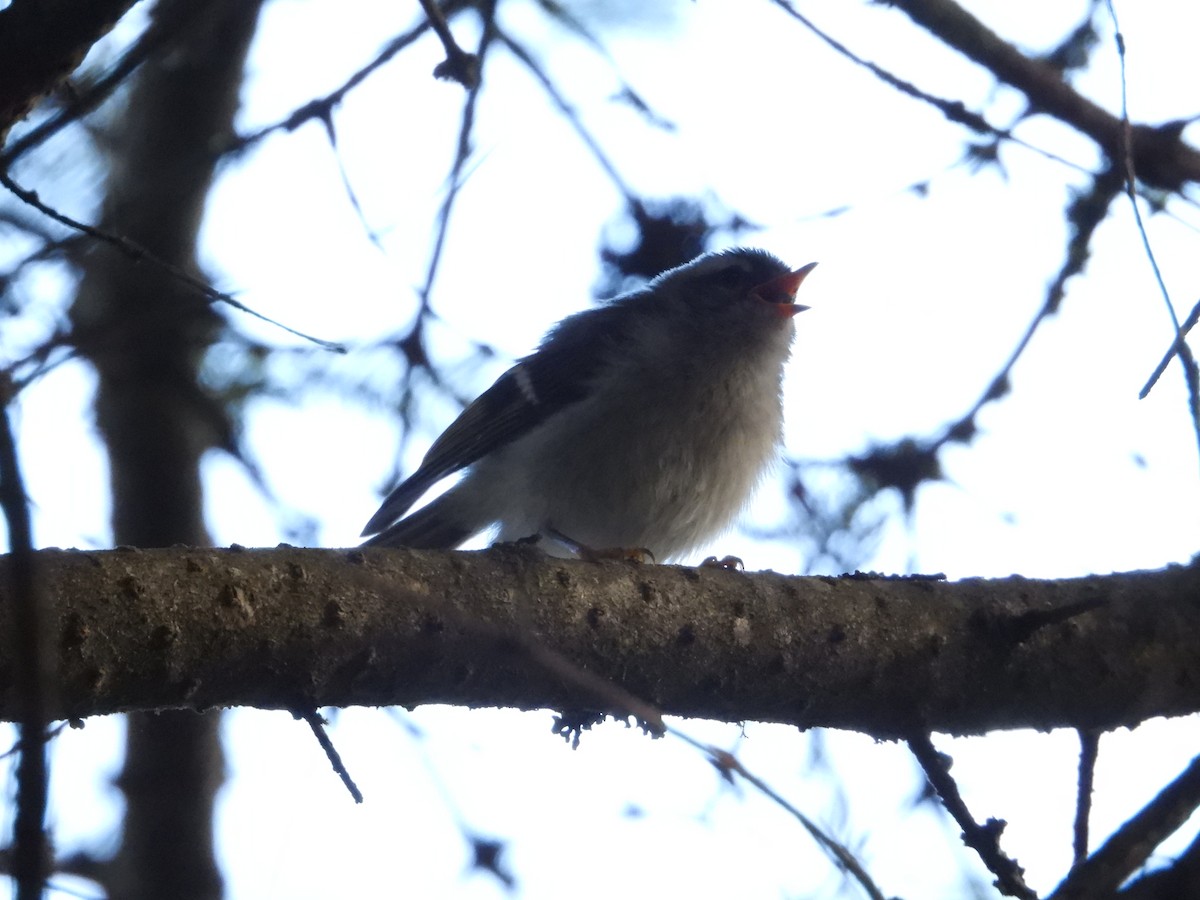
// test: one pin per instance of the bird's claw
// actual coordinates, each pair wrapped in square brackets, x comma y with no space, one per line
[640,555]
[592,554]
[728,563]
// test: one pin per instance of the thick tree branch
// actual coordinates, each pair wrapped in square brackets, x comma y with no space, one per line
[1127,850]
[301,629]
[41,43]
[1176,879]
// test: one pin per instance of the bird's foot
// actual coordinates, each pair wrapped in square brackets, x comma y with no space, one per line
[595,554]
[729,563]
[628,554]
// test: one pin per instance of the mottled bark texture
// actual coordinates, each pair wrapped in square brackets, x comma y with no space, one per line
[298,629]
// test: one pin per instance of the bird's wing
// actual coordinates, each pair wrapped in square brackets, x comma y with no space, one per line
[560,373]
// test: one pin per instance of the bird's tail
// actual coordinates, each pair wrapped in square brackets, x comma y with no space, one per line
[437,526]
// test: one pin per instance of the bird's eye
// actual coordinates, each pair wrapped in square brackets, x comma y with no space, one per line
[730,277]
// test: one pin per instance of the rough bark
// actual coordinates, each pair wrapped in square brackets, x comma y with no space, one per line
[299,629]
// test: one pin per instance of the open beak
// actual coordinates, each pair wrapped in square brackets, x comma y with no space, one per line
[782,291]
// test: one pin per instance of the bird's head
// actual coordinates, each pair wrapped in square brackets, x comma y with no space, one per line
[743,292]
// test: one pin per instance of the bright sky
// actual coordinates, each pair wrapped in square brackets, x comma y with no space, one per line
[916,304]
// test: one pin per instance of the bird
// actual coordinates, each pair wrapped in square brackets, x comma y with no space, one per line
[644,422]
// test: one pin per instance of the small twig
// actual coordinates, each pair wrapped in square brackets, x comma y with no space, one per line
[351,194]
[559,13]
[1130,173]
[1188,324]
[1176,879]
[1170,162]
[317,724]
[459,65]
[1190,373]
[728,765]
[323,106]
[138,253]
[568,112]
[1089,750]
[1106,869]
[956,112]
[983,839]
[461,155]
[1085,213]
[953,110]
[51,734]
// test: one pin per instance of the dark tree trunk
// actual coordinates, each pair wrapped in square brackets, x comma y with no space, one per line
[146,332]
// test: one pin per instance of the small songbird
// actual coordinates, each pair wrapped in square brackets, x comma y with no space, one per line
[645,422]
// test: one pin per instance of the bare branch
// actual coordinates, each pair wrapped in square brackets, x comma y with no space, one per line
[729,765]
[1085,214]
[1089,750]
[138,253]
[1134,841]
[322,107]
[569,113]
[305,629]
[954,110]
[461,155]
[1191,374]
[1175,880]
[317,724]
[459,65]
[1188,325]
[983,839]
[1162,158]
